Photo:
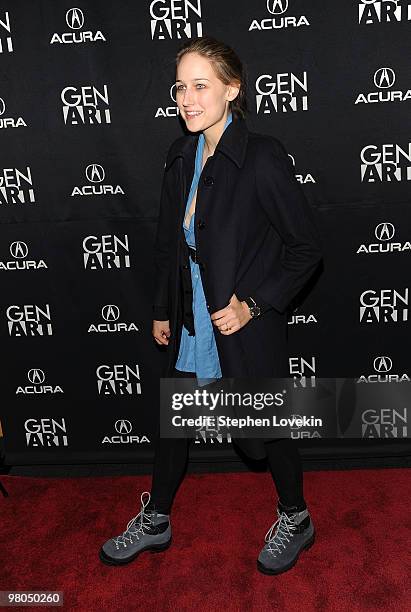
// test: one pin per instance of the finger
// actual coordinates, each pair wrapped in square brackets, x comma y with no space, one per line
[230,331]
[160,340]
[228,321]
[164,332]
[224,329]
[219,313]
[221,324]
[223,320]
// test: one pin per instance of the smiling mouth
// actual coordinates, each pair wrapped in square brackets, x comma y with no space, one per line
[196,114]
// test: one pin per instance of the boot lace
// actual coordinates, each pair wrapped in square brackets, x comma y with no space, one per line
[135,527]
[283,527]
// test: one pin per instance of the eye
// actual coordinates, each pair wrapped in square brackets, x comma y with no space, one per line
[179,87]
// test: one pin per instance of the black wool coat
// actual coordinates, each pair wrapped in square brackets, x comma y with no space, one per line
[255,235]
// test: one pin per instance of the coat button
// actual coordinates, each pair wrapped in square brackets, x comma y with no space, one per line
[208,180]
[201,225]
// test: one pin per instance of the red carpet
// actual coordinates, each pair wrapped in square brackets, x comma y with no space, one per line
[52,529]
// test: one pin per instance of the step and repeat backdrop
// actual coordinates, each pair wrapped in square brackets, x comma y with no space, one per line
[87,114]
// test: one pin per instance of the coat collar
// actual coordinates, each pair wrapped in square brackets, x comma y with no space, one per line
[233,143]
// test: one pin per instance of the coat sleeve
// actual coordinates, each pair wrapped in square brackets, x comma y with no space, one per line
[161,250]
[287,208]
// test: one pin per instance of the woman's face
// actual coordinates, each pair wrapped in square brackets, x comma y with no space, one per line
[199,89]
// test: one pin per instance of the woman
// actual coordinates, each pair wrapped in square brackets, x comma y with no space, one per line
[235,243]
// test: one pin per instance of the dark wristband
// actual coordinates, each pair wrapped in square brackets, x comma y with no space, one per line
[264,306]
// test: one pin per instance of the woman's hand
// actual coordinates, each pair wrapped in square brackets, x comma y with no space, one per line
[231,318]
[161,332]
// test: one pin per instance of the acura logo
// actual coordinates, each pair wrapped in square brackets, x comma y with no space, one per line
[384,231]
[382,364]
[95,173]
[277,7]
[292,158]
[110,312]
[19,249]
[296,418]
[75,18]
[123,427]
[35,376]
[172,94]
[384,77]
[2,106]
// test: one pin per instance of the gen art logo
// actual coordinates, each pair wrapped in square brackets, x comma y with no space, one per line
[46,432]
[387,162]
[118,379]
[29,320]
[384,423]
[106,252]
[6,41]
[303,371]
[175,19]
[282,92]
[384,306]
[371,12]
[85,105]
[16,186]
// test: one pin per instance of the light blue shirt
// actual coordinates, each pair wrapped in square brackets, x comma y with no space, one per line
[198,353]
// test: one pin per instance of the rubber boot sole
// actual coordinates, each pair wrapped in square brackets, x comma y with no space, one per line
[152,548]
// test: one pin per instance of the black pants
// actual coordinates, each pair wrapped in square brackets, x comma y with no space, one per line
[171,458]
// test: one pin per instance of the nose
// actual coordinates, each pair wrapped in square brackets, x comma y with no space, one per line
[188,97]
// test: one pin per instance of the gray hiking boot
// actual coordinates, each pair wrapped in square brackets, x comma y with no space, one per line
[291,533]
[146,531]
